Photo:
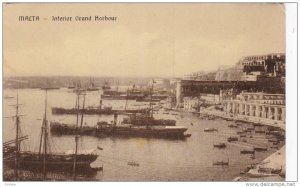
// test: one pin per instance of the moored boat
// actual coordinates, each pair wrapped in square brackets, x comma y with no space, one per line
[45,159]
[210,129]
[247,151]
[232,138]
[220,145]
[221,163]
[141,131]
[260,148]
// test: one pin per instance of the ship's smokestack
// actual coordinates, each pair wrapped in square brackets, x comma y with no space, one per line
[100,104]
[115,119]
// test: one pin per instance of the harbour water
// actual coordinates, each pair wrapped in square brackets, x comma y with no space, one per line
[159,159]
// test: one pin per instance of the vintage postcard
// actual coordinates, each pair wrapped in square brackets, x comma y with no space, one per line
[144,92]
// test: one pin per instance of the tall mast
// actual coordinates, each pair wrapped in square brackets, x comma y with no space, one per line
[78,134]
[76,137]
[17,138]
[150,104]
[126,100]
[45,137]
[81,122]
[77,104]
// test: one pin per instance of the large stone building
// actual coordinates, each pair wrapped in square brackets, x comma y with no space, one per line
[260,73]
[260,105]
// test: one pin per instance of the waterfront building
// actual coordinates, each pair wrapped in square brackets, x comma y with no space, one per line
[191,104]
[259,73]
[259,105]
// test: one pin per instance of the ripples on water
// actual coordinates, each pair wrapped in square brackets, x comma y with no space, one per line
[160,159]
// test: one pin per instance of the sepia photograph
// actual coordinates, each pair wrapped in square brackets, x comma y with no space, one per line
[127,92]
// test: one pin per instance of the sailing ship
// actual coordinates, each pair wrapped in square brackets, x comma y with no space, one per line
[73,85]
[92,86]
[143,125]
[100,110]
[44,159]
[106,86]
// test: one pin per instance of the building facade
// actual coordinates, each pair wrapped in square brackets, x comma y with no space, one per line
[191,104]
[260,105]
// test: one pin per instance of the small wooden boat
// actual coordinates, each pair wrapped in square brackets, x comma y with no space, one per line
[246,130]
[133,163]
[220,145]
[260,149]
[232,138]
[246,151]
[210,129]
[259,131]
[221,163]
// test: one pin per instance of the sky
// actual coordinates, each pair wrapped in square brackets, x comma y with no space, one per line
[147,39]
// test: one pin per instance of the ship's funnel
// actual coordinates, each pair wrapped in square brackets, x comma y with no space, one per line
[100,104]
[115,119]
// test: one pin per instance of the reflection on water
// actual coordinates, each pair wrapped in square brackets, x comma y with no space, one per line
[159,159]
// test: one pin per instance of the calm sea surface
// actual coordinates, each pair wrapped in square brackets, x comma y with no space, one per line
[160,159]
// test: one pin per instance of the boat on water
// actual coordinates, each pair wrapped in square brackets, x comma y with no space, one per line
[45,159]
[144,119]
[133,163]
[105,128]
[260,148]
[232,138]
[92,86]
[140,125]
[100,110]
[247,151]
[260,131]
[210,130]
[73,85]
[221,163]
[160,131]
[220,145]
[55,161]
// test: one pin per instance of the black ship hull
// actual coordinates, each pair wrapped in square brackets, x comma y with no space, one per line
[34,161]
[142,132]
[92,111]
[126,131]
